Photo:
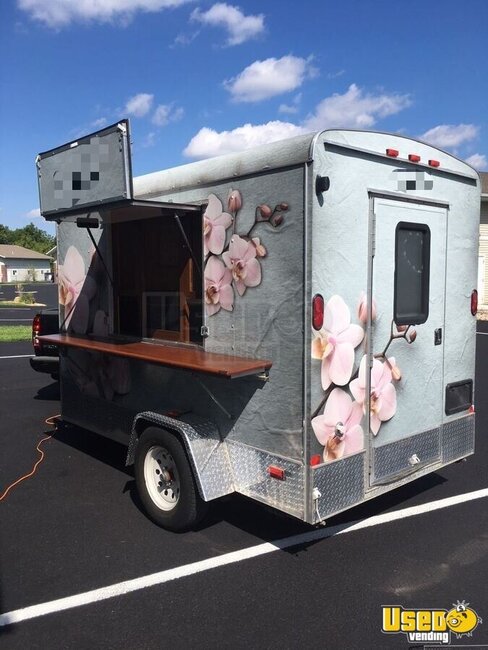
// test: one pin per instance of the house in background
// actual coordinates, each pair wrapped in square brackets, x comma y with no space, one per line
[483,250]
[19,264]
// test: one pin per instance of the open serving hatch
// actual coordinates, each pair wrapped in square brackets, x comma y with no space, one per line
[151,251]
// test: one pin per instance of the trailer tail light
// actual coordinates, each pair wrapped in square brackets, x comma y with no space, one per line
[474,302]
[434,163]
[471,410]
[276,472]
[316,459]
[317,311]
[413,157]
[36,330]
[393,153]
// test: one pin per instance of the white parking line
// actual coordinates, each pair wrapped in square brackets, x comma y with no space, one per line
[482,333]
[121,588]
[18,356]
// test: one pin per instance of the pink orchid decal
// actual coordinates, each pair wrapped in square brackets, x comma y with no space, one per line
[363,308]
[218,289]
[334,344]
[215,223]
[100,324]
[241,260]
[75,289]
[234,201]
[383,400]
[260,249]
[339,429]
[113,376]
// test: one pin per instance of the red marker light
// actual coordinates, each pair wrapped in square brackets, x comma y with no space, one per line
[276,472]
[317,311]
[36,330]
[316,459]
[474,302]
[413,157]
[393,153]
[36,324]
[434,163]
[471,409]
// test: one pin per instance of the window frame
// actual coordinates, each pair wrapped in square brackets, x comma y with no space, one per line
[422,316]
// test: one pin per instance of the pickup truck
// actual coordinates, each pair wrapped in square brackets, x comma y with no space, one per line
[46,357]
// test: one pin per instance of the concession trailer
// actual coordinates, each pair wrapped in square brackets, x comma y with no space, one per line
[295,323]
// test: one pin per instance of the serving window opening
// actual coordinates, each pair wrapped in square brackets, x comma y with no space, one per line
[158,284]
[412,273]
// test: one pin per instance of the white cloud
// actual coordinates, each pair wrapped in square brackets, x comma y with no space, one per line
[149,140]
[33,214]
[449,135]
[478,161]
[100,123]
[265,79]
[184,39]
[207,142]
[240,28]
[288,108]
[59,13]
[335,75]
[165,113]
[355,108]
[293,107]
[352,109]
[139,105]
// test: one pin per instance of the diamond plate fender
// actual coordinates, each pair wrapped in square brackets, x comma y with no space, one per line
[206,451]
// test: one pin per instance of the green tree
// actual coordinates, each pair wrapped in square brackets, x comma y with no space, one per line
[29,236]
[5,235]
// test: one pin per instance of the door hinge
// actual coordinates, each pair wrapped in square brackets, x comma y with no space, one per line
[204,331]
[373,234]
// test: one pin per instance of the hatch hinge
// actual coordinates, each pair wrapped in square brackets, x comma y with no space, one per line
[204,331]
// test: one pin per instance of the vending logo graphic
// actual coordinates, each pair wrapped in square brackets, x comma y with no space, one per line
[431,625]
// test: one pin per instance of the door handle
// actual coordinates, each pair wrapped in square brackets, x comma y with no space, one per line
[438,336]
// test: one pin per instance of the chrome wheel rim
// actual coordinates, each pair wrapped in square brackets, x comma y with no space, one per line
[162,478]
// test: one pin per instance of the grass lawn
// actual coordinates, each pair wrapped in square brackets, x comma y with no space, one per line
[13,333]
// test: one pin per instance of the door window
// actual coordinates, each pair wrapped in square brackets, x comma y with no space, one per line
[412,273]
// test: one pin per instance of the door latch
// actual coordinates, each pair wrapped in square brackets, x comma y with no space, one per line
[438,336]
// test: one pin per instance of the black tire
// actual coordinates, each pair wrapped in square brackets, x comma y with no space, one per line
[174,503]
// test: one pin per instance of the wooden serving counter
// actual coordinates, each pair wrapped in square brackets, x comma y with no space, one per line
[173,356]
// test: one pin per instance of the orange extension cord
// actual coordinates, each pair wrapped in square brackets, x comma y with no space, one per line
[50,421]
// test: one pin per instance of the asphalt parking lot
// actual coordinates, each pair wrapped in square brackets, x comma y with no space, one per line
[77,526]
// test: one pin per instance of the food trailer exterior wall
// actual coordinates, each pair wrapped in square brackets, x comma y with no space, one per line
[413,423]
[260,421]
[313,238]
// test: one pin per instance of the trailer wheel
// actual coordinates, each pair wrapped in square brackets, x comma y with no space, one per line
[165,481]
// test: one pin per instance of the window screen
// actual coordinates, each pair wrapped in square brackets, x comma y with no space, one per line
[412,273]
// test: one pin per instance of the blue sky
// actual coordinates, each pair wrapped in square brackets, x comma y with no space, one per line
[202,78]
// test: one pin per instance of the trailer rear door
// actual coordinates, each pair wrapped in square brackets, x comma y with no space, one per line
[408,281]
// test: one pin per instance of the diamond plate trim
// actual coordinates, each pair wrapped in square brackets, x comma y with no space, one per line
[393,458]
[341,485]
[250,468]
[207,453]
[458,438]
